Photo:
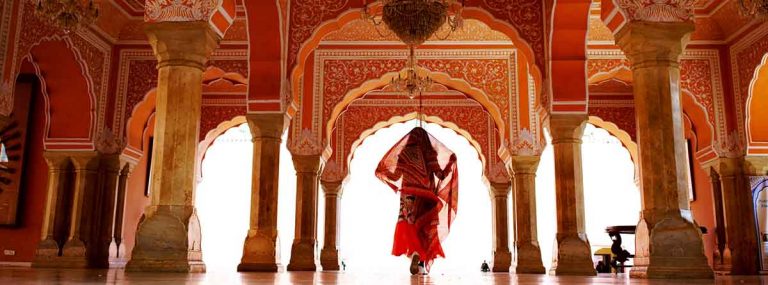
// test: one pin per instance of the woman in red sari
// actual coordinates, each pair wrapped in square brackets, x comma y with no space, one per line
[423,170]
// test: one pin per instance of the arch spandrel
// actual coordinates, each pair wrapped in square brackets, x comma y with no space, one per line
[305,33]
[365,116]
[224,98]
[610,87]
[440,78]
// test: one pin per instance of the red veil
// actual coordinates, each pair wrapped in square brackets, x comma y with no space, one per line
[424,171]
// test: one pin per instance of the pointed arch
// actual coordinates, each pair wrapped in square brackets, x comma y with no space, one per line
[756,112]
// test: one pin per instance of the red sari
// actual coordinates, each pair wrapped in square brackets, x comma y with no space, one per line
[423,170]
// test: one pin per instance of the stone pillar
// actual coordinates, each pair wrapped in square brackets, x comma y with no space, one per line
[739,213]
[528,252]
[260,250]
[329,256]
[502,257]
[303,250]
[572,255]
[48,248]
[82,220]
[116,246]
[668,241]
[168,236]
[102,210]
[722,254]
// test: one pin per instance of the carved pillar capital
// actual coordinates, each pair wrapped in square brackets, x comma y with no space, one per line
[267,125]
[525,164]
[331,187]
[306,163]
[501,189]
[654,44]
[56,160]
[728,166]
[85,160]
[756,165]
[567,128]
[182,43]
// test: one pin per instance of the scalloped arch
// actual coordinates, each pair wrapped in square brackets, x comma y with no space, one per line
[756,115]
[202,147]
[439,77]
[623,136]
[411,116]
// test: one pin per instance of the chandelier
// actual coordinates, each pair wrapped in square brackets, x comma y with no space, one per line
[415,21]
[755,8]
[69,15]
[412,83]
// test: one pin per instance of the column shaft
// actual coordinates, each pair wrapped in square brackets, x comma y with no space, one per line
[116,246]
[502,257]
[528,252]
[260,252]
[668,241]
[739,215]
[303,249]
[82,221]
[722,255]
[48,248]
[168,237]
[573,254]
[329,256]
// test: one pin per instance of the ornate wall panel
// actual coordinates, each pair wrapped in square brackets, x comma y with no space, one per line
[137,75]
[92,53]
[337,72]
[700,77]
[526,16]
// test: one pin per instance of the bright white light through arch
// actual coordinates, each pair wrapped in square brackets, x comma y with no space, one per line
[369,209]
[223,199]
[611,196]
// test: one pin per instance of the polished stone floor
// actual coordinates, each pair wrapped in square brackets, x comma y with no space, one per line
[23,276]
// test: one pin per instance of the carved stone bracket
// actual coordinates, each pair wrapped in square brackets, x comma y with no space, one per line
[658,10]
[179,10]
[306,143]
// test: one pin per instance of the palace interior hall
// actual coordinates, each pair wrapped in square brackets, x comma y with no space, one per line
[259,141]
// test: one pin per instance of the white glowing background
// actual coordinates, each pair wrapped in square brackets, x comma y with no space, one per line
[368,207]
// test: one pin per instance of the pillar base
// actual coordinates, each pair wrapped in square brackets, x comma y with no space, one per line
[46,249]
[168,240]
[302,256]
[47,255]
[329,259]
[722,261]
[117,255]
[572,256]
[529,260]
[502,261]
[259,253]
[672,249]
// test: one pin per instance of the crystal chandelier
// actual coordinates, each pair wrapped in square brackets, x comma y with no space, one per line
[412,83]
[69,15]
[415,21]
[754,8]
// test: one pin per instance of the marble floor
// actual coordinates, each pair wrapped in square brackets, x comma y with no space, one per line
[23,276]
